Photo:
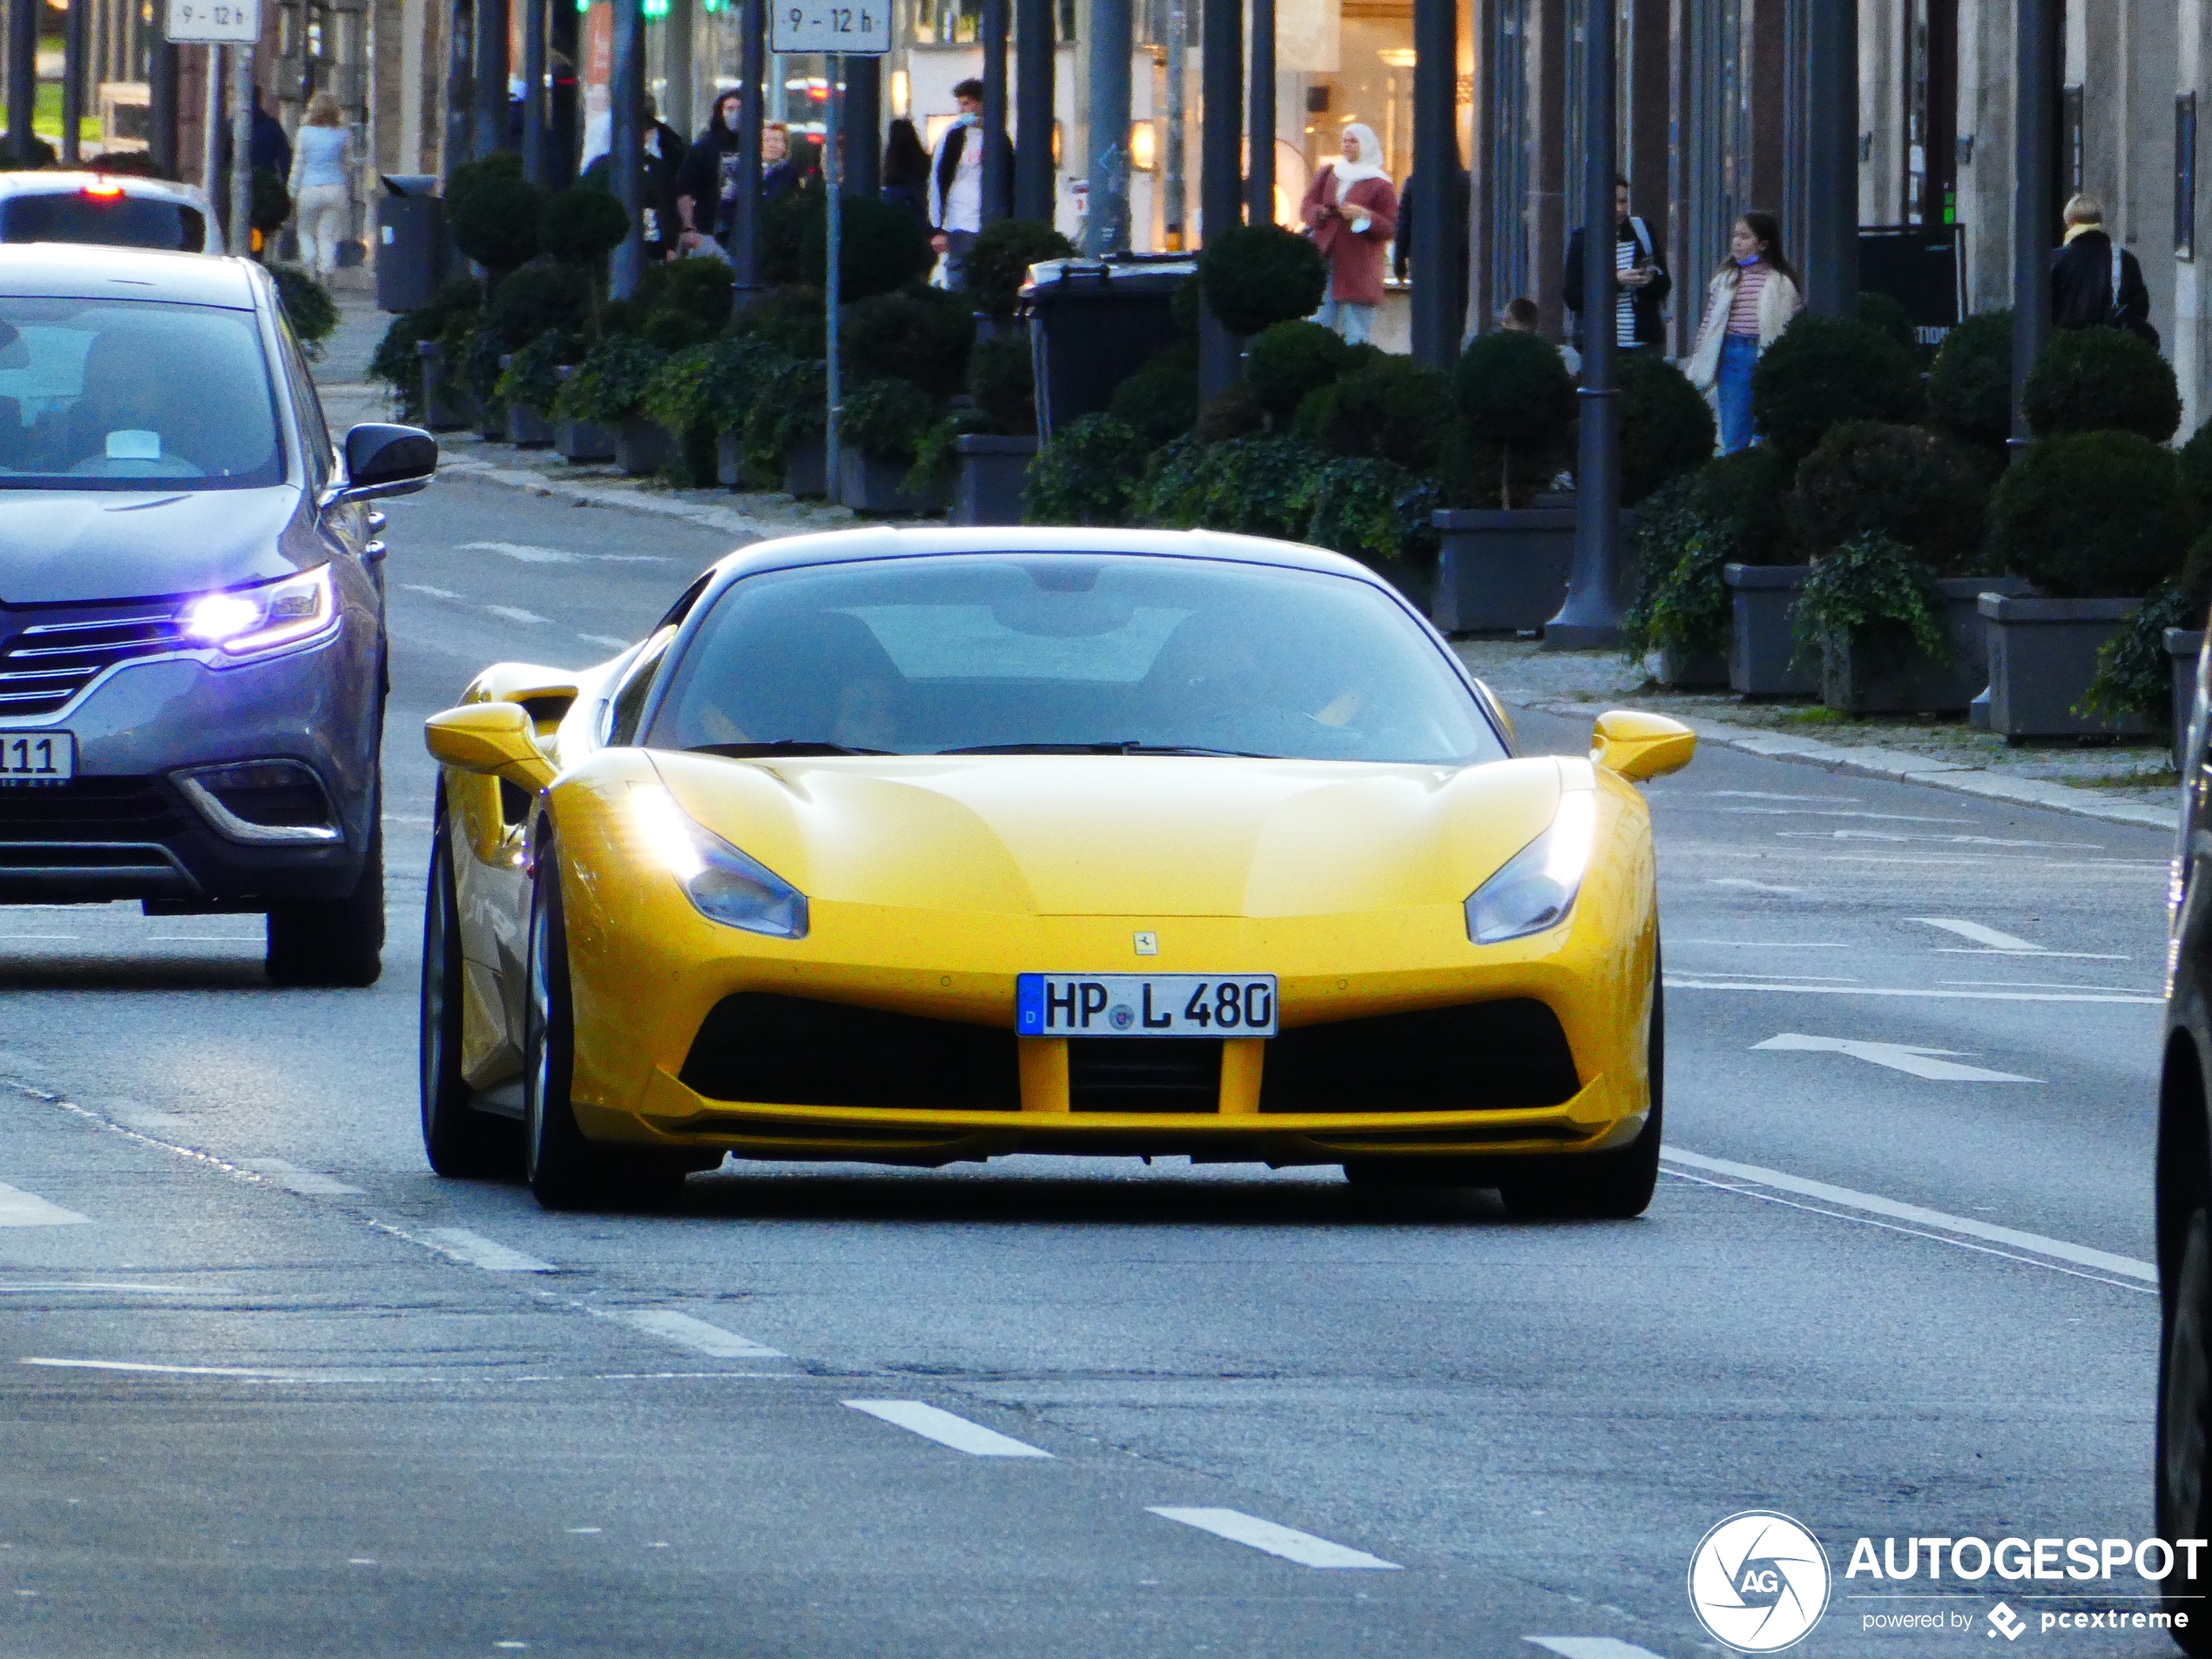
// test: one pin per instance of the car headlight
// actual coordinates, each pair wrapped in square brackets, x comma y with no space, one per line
[723,884]
[266,616]
[1536,888]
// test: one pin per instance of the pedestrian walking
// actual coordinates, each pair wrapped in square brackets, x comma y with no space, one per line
[1351,211]
[957,182]
[2094,281]
[322,186]
[1751,298]
[707,179]
[905,172]
[1641,283]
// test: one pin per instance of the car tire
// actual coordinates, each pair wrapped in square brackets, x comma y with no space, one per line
[2184,1483]
[336,943]
[458,1141]
[1603,1186]
[564,1170]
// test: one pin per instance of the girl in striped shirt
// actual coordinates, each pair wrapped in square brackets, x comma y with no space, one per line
[1752,297]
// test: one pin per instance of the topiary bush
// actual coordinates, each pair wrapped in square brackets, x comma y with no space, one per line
[1879,311]
[1388,408]
[1900,482]
[395,361]
[1743,500]
[1161,400]
[1871,585]
[531,378]
[1083,476]
[2092,514]
[1666,428]
[1234,414]
[885,419]
[1681,606]
[1003,384]
[270,203]
[541,299]
[2101,379]
[496,223]
[792,409]
[1374,510]
[789,318]
[923,335]
[1970,387]
[1824,371]
[1288,359]
[881,248]
[1254,276]
[466,176]
[999,259]
[1247,486]
[2194,460]
[610,383]
[697,290]
[1517,406]
[580,226]
[308,306]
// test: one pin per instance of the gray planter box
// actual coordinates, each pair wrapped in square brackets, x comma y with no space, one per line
[807,469]
[993,478]
[2183,646]
[584,440]
[442,411]
[868,485]
[1698,670]
[643,446]
[1890,675]
[1761,651]
[527,429]
[729,468]
[1502,572]
[2042,656]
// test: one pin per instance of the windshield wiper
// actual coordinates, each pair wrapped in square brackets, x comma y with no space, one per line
[1122,748]
[780,746]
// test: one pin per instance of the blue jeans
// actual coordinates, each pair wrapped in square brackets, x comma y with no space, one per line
[1737,357]
[1353,321]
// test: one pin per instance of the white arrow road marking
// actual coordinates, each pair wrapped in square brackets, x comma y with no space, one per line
[516,613]
[1591,1647]
[1897,1056]
[946,1429]
[1748,885]
[21,1209]
[1287,1542]
[435,593]
[1976,931]
[685,1331]
[480,1251]
[528,554]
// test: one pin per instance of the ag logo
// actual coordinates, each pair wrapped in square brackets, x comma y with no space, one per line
[1758,1583]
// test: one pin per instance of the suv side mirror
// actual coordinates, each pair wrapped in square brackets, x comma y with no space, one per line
[386,460]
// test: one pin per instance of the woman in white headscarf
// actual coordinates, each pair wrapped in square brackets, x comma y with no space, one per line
[1351,212]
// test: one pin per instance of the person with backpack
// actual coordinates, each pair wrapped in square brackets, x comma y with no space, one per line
[1641,283]
[2094,281]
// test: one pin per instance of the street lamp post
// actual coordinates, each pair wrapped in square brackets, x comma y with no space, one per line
[1831,158]
[491,74]
[1220,173]
[1035,186]
[1106,229]
[752,71]
[1436,168]
[535,162]
[1259,124]
[626,140]
[996,185]
[73,80]
[2034,176]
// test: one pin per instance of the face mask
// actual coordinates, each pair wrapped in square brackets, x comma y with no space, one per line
[968,117]
[1748,263]
[730,117]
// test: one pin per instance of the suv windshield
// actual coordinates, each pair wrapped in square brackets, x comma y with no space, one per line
[101,395]
[1050,652]
[115,221]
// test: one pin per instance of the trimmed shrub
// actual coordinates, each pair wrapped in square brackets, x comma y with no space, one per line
[1879,311]
[1234,414]
[1900,482]
[936,460]
[1388,408]
[1289,359]
[530,378]
[1970,387]
[1161,400]
[1744,499]
[394,361]
[270,203]
[792,409]
[496,223]
[1824,371]
[923,335]
[880,248]
[1371,509]
[1872,585]
[582,225]
[696,289]
[1003,384]
[1248,486]
[1517,405]
[1254,276]
[2101,379]
[791,319]
[1683,606]
[308,306]
[610,383]
[1085,474]
[2092,514]
[2195,459]
[999,259]
[885,419]
[540,299]
[466,176]
[1666,425]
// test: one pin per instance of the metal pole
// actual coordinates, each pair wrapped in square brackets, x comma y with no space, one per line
[241,149]
[161,106]
[626,140]
[460,83]
[22,76]
[490,135]
[752,69]
[1036,189]
[1259,122]
[211,128]
[536,157]
[861,122]
[562,142]
[1436,172]
[2034,180]
[73,81]
[997,186]
[1831,158]
[1106,229]
[832,283]
[1173,207]
[1590,619]
[1220,171]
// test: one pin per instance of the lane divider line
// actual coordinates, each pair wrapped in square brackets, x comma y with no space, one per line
[942,1426]
[686,1332]
[2103,1261]
[21,1209]
[309,1183]
[1674,984]
[1988,937]
[479,1251]
[1277,1540]
[188,1370]
[1591,1647]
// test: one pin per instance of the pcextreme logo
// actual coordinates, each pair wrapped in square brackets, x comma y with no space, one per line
[1758,1583]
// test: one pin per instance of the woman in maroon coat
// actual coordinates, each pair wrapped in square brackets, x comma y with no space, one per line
[1351,212]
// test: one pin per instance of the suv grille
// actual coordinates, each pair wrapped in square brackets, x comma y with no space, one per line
[92,809]
[48,662]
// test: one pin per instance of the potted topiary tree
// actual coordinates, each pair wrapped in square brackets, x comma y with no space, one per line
[991,459]
[881,424]
[1254,276]
[1084,475]
[1666,433]
[607,390]
[1824,371]
[1504,563]
[783,441]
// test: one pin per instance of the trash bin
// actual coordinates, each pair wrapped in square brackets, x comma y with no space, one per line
[410,241]
[1094,322]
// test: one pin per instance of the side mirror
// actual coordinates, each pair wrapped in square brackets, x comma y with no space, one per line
[386,460]
[496,738]
[1639,745]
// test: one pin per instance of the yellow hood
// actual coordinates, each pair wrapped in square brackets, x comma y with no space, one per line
[1128,835]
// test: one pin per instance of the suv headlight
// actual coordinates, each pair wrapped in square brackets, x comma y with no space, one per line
[1536,888]
[265,616]
[723,884]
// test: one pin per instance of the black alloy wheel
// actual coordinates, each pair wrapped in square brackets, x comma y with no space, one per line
[458,1141]
[334,943]
[2185,1425]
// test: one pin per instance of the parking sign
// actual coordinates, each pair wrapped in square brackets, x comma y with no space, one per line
[861,30]
[228,22]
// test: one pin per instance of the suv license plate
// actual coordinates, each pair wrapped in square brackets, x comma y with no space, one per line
[37,757]
[1143,1004]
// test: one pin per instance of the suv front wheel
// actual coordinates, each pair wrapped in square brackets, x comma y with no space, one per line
[333,942]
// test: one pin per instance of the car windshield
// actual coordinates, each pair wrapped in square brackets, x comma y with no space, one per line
[103,395]
[115,221]
[1078,653]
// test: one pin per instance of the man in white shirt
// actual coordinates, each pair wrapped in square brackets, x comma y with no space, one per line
[956,181]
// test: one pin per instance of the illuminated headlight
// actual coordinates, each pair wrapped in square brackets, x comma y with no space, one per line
[269,616]
[1536,888]
[723,884]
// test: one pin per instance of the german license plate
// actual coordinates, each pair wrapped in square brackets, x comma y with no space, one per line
[37,757]
[1143,1004]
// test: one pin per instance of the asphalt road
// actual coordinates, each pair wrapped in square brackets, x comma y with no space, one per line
[268,1386]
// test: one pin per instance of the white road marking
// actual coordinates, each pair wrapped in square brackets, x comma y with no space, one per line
[1939,841]
[1823,812]
[1748,885]
[2043,985]
[1800,979]
[480,1251]
[117,1284]
[1762,794]
[1897,1056]
[2053,955]
[1764,944]
[308,1184]
[1591,1647]
[608,640]
[165,1370]
[435,593]
[156,1120]
[21,1209]
[1846,1199]
[528,554]
[19,939]
[1674,984]
[516,613]
[945,1428]
[1988,937]
[688,1332]
[1287,1542]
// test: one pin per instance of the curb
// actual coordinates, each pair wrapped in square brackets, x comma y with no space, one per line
[1895,766]
[579,494]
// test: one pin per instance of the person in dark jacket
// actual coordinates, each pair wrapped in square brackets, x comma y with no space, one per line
[905,172]
[1401,257]
[2090,285]
[662,157]
[706,178]
[956,181]
[1641,282]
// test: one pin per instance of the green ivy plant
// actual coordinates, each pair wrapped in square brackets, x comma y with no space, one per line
[532,377]
[1372,511]
[2134,676]
[1871,580]
[885,419]
[308,306]
[610,383]
[1683,607]
[1083,476]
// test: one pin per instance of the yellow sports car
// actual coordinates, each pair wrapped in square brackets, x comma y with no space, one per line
[912,847]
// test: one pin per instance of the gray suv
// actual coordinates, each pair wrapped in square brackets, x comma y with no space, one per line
[192,657]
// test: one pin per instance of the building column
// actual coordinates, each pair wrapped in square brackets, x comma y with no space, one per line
[1259,122]
[1831,158]
[1436,172]
[490,134]
[998,189]
[1221,171]
[1036,189]
[1544,25]
[2187,340]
